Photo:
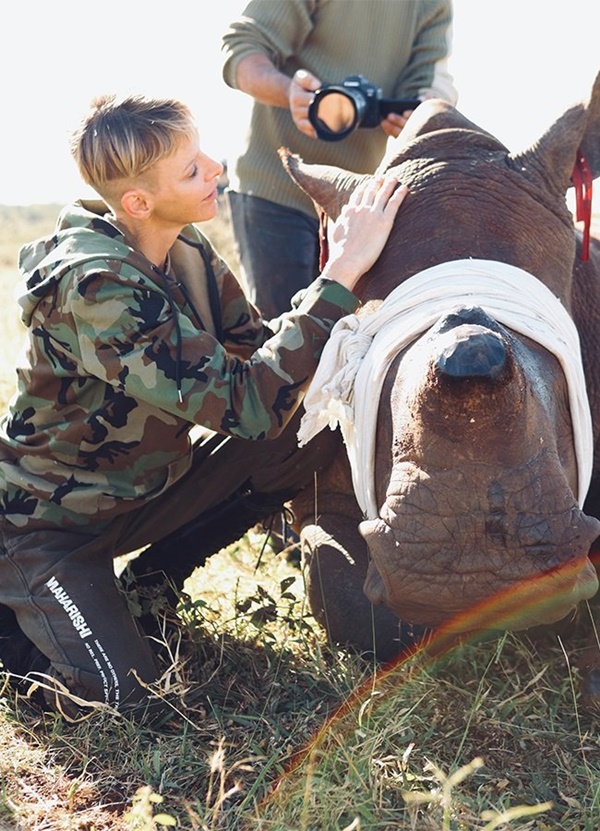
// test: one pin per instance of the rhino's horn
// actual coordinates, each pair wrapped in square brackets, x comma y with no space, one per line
[329,187]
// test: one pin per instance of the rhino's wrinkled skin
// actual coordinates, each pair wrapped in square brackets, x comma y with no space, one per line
[476,473]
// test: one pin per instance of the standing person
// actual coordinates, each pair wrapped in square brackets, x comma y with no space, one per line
[137,331]
[280,53]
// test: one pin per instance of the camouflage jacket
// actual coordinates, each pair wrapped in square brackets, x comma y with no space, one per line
[123,359]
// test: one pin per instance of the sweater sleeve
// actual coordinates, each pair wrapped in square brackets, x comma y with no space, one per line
[275,29]
[427,72]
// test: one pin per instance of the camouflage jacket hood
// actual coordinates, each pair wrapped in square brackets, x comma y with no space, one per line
[82,235]
[123,359]
[85,236]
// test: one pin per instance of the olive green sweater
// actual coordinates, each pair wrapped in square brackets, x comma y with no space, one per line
[400,45]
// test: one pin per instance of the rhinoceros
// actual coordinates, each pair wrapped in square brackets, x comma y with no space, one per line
[465,392]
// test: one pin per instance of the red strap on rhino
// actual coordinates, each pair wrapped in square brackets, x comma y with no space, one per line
[323,241]
[582,181]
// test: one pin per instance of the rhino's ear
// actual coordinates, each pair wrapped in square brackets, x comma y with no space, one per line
[590,143]
[556,151]
[329,187]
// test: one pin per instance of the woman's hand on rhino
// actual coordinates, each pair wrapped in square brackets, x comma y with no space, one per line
[362,229]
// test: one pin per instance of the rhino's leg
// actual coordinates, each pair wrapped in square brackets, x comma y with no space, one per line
[335,561]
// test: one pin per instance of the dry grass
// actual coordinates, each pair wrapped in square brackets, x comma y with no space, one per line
[269,729]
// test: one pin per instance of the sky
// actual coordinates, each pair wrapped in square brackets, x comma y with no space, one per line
[517,65]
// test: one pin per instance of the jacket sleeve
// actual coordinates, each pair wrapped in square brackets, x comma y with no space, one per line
[427,73]
[130,336]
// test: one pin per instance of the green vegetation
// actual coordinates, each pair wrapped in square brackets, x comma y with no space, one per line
[270,729]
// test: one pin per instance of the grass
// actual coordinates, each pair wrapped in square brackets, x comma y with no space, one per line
[268,728]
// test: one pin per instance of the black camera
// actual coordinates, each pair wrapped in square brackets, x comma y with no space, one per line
[338,109]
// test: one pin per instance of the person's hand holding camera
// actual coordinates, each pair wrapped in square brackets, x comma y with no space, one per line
[393,124]
[301,92]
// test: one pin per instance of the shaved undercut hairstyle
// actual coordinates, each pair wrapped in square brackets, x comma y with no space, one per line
[121,138]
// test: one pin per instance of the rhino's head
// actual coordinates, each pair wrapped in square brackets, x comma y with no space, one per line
[477,476]
[477,487]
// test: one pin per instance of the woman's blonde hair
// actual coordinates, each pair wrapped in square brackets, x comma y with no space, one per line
[120,138]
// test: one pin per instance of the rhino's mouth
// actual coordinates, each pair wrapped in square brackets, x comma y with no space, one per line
[506,560]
